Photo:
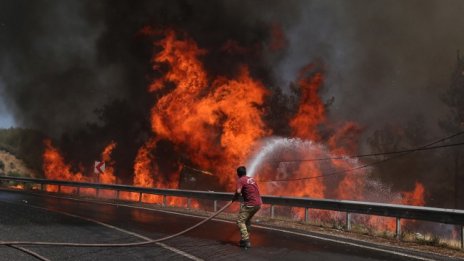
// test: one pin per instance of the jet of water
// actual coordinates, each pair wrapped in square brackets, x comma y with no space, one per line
[275,148]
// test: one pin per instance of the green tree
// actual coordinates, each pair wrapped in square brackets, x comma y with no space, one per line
[454,123]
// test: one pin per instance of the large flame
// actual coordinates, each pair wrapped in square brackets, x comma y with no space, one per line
[54,167]
[144,169]
[311,111]
[215,123]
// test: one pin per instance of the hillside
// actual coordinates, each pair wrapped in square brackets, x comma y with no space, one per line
[21,151]
[12,166]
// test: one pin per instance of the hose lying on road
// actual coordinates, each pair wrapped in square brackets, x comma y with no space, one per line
[69,244]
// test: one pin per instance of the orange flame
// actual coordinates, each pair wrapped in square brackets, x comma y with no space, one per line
[107,176]
[55,168]
[311,111]
[415,197]
[144,169]
[218,119]
[344,142]
[17,186]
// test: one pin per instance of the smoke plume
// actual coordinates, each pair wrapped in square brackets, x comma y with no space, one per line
[79,70]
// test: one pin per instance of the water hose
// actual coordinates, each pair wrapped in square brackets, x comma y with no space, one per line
[147,242]
[29,252]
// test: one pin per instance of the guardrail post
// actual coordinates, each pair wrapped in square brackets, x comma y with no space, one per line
[462,237]
[398,228]
[78,191]
[42,186]
[117,194]
[189,203]
[97,192]
[140,197]
[164,200]
[272,211]
[306,215]
[59,188]
[348,221]
[215,205]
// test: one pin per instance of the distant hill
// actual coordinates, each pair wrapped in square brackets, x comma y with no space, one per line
[12,166]
[23,147]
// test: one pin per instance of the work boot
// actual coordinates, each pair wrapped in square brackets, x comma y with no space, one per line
[245,243]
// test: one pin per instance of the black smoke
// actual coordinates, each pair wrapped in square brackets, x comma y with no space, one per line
[79,70]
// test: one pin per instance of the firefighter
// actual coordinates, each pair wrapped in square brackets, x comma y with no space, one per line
[248,189]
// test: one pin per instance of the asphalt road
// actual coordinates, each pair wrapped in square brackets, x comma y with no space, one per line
[27,217]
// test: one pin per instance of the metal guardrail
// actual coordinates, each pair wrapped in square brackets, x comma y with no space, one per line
[439,215]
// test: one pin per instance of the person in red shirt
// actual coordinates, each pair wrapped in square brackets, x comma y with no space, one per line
[248,188]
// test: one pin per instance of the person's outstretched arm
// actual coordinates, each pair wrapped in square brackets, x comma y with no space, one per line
[237,194]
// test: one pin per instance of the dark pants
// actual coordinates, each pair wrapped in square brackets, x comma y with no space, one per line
[244,220]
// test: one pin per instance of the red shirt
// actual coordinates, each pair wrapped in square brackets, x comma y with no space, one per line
[250,191]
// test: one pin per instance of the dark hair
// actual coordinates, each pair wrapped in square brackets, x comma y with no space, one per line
[241,171]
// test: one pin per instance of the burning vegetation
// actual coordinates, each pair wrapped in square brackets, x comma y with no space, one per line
[209,85]
[216,122]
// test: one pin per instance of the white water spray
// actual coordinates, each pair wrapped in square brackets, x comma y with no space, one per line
[287,153]
[274,147]
[287,158]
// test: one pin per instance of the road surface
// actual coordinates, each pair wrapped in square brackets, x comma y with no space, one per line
[30,217]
